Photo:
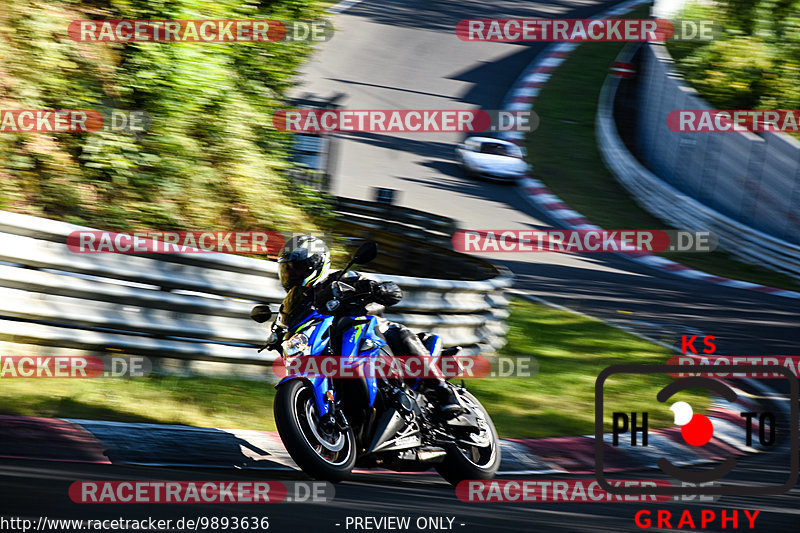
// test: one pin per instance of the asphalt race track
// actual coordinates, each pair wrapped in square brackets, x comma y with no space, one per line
[32,489]
[404,54]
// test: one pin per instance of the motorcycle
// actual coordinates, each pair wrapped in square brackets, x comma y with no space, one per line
[330,425]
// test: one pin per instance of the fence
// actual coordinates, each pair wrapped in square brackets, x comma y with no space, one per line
[189,312]
[415,224]
[675,207]
[753,179]
[412,242]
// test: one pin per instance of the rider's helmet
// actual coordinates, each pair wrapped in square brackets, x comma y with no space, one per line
[304,261]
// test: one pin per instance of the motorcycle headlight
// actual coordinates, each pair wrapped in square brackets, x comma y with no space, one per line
[295,346]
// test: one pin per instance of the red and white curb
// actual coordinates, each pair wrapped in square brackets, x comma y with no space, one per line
[522,97]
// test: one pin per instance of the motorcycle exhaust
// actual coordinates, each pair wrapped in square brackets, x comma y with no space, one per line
[411,460]
[431,455]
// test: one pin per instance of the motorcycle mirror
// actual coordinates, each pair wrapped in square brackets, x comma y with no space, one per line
[261,313]
[365,253]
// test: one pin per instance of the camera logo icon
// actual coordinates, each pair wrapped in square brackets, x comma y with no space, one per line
[696,430]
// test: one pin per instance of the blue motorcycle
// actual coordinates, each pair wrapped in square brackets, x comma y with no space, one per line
[330,425]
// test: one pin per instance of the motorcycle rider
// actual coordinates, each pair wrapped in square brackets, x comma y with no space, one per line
[304,264]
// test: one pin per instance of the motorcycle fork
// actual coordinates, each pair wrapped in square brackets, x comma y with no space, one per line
[335,415]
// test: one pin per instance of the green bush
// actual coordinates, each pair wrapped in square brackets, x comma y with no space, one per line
[755,62]
[211,157]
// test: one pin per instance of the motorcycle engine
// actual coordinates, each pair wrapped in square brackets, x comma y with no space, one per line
[404,403]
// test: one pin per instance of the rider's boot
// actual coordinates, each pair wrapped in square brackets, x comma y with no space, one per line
[445,399]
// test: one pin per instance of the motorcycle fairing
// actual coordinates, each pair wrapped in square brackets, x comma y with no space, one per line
[360,343]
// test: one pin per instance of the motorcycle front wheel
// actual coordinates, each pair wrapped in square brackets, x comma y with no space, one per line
[322,451]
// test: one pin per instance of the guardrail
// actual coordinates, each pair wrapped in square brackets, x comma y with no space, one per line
[411,242]
[676,208]
[412,223]
[189,312]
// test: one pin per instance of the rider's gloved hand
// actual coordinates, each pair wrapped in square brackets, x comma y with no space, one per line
[388,293]
[366,287]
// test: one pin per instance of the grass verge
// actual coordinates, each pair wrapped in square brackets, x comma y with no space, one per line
[565,156]
[558,400]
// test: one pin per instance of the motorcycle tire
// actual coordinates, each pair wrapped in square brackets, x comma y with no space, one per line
[457,466]
[303,442]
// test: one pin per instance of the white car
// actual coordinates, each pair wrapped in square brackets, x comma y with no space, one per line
[493,159]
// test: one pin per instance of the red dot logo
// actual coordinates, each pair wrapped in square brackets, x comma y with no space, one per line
[698,431]
[695,429]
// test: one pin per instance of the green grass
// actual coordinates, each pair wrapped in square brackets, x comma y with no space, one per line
[565,156]
[570,349]
[195,401]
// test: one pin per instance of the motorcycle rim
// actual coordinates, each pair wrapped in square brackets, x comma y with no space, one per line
[334,447]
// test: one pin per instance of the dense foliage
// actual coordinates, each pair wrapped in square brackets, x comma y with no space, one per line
[755,62]
[209,159]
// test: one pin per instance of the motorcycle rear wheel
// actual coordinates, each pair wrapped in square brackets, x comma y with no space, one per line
[464,461]
[327,455]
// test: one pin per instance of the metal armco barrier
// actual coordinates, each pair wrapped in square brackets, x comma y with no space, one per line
[415,224]
[411,242]
[679,209]
[189,312]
